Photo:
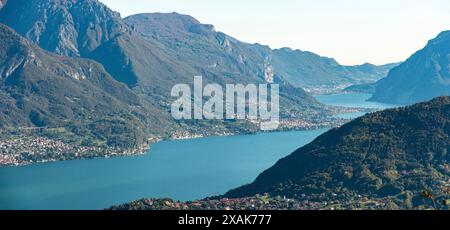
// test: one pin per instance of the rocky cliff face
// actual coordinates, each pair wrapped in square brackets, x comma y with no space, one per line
[218,57]
[201,46]
[150,52]
[91,30]
[72,28]
[41,89]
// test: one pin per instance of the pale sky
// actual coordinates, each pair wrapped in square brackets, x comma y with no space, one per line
[351,31]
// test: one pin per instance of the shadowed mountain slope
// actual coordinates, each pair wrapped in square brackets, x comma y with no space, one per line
[396,152]
[42,89]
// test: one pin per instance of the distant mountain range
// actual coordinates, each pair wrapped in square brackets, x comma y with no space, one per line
[200,45]
[425,75]
[309,70]
[396,153]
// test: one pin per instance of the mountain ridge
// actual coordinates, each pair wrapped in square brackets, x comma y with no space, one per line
[421,77]
[307,70]
[49,90]
[391,153]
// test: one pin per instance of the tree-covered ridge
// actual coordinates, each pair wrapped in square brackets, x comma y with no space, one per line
[394,153]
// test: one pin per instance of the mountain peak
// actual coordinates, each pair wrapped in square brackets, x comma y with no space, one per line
[164,23]
[444,36]
[426,74]
[68,27]
[170,18]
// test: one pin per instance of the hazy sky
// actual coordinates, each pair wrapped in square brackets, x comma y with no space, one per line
[351,31]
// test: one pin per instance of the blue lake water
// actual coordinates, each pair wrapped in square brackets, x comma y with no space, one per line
[182,170]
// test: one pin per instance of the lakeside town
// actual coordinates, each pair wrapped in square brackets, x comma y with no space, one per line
[284,125]
[27,147]
[436,198]
[262,202]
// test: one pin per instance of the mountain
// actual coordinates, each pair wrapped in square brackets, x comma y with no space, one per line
[87,29]
[200,45]
[425,75]
[393,153]
[150,65]
[309,70]
[42,89]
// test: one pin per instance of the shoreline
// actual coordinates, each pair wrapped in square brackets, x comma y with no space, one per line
[10,160]
[52,150]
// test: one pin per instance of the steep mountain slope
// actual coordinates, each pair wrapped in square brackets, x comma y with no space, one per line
[73,28]
[201,46]
[396,152]
[219,57]
[425,75]
[88,29]
[41,89]
[147,65]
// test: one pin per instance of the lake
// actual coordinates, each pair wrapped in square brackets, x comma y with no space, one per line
[182,169]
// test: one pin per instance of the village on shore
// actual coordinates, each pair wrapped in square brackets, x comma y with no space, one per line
[27,147]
